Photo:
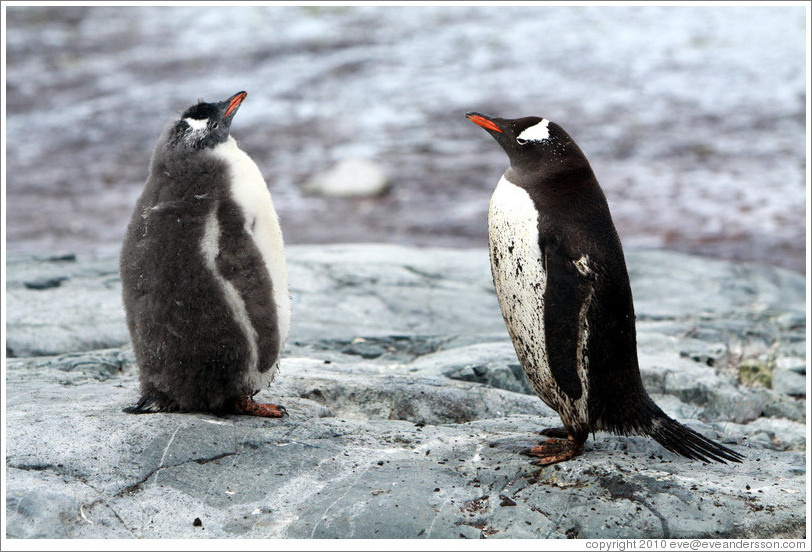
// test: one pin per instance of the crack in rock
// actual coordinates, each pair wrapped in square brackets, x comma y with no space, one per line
[137,485]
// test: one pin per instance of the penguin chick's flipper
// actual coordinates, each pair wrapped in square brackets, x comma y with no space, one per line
[553,451]
[247,406]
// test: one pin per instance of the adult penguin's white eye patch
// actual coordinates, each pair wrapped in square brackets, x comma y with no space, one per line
[536,133]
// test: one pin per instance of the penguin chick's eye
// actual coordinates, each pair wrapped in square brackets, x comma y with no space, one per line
[214,125]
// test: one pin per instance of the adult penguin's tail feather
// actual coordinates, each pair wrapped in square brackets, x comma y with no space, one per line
[685,441]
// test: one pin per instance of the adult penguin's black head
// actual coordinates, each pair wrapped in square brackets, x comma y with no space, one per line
[205,125]
[534,145]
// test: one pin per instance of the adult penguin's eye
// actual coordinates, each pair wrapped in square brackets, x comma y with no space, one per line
[521,141]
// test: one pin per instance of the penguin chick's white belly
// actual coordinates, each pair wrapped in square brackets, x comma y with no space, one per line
[251,194]
[520,281]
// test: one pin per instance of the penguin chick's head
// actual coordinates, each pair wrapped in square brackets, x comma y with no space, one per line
[531,143]
[205,125]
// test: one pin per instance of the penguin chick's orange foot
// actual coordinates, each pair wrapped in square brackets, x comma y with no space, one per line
[553,451]
[247,406]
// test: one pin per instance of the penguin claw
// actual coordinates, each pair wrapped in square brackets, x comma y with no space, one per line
[247,406]
[553,451]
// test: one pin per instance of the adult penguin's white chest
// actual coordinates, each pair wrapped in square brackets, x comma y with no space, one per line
[250,193]
[520,281]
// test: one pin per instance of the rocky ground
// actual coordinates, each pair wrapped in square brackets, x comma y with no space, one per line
[407,411]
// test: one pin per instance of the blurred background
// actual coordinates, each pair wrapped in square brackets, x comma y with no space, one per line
[693,117]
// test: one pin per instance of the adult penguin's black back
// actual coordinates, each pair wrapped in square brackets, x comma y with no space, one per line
[563,288]
[203,272]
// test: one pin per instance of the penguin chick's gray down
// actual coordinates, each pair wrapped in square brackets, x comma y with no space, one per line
[203,272]
[563,288]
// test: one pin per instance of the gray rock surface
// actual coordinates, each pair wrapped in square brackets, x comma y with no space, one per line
[407,412]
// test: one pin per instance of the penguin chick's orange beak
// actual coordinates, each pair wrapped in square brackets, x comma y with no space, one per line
[235,103]
[483,122]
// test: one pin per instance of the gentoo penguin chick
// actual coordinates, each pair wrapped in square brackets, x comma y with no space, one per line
[203,272]
[561,280]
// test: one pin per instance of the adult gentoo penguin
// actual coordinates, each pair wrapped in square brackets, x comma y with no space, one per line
[561,280]
[203,272]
